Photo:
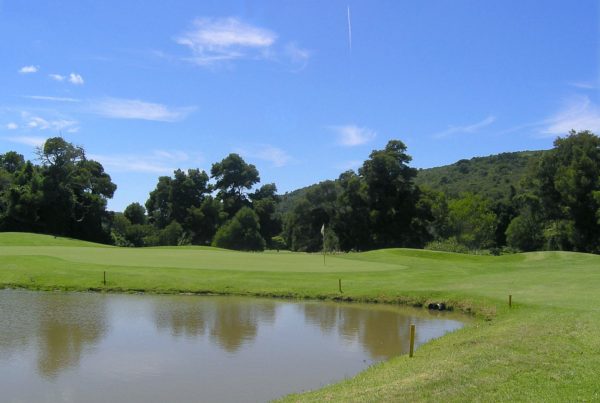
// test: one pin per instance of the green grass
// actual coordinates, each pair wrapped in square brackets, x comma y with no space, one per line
[546,348]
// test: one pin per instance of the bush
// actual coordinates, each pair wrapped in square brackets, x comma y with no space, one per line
[171,234]
[447,245]
[277,242]
[242,232]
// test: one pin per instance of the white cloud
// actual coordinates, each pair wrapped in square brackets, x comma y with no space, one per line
[470,128]
[57,77]
[274,155]
[162,162]
[12,126]
[38,123]
[28,69]
[54,99]
[585,85]
[75,79]
[578,113]
[266,152]
[352,135]
[297,55]
[214,40]
[135,109]
[27,140]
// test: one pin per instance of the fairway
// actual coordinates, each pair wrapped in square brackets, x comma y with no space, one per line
[547,347]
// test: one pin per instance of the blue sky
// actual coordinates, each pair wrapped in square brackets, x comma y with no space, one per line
[302,89]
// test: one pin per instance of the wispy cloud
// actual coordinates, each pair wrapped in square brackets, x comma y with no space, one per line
[57,77]
[28,69]
[162,162]
[27,140]
[75,79]
[585,85]
[49,98]
[12,126]
[274,155]
[39,123]
[352,135]
[266,152]
[469,128]
[136,109]
[213,40]
[577,113]
[298,56]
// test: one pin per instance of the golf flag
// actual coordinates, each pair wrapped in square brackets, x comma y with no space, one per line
[323,230]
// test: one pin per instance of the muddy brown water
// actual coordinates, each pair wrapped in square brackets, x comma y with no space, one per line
[77,347]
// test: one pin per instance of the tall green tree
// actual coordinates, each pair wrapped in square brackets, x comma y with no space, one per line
[135,213]
[264,202]
[176,198]
[75,192]
[234,177]
[351,223]
[392,194]
[567,181]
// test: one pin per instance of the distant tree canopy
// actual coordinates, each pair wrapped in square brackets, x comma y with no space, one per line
[524,201]
[65,195]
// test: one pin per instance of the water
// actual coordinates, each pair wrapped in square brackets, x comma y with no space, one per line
[108,348]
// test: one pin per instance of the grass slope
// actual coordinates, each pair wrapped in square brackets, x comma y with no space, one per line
[546,348]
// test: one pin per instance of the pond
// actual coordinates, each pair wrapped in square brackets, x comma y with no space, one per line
[94,347]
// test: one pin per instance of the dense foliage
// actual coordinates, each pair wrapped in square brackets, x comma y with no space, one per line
[513,201]
[65,195]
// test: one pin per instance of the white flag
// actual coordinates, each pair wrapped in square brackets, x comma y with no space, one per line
[323,230]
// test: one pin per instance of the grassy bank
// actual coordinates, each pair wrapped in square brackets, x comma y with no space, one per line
[547,347]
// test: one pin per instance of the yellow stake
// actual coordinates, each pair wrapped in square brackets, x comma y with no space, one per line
[412,340]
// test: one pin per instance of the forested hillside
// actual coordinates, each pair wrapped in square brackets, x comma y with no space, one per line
[490,177]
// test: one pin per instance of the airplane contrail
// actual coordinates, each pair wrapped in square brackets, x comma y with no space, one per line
[349,29]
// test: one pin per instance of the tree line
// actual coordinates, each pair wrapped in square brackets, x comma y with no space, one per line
[556,206]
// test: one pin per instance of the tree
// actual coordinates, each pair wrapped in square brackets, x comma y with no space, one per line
[351,222]
[472,221]
[135,213]
[75,192]
[204,221]
[264,203]
[171,234]
[567,182]
[233,178]
[11,161]
[302,225]
[525,232]
[242,232]
[392,194]
[178,198]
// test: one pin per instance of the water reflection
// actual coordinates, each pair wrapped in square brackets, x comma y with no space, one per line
[230,322]
[383,331]
[97,347]
[58,327]
[68,325]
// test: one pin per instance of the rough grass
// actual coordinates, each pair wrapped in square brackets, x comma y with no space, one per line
[546,348]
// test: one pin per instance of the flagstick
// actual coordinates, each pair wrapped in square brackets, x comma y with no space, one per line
[323,250]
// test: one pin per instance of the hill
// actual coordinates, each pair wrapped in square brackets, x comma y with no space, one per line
[491,177]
